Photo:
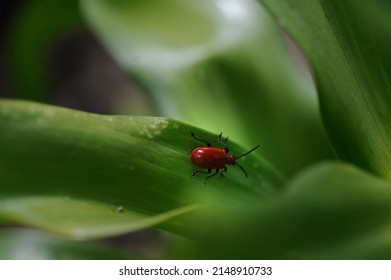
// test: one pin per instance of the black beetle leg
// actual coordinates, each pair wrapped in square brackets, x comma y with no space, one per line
[222,171]
[201,171]
[210,176]
[199,139]
[223,142]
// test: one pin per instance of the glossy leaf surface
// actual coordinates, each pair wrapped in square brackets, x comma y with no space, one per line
[75,168]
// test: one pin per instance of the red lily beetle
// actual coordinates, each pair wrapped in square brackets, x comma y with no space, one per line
[214,158]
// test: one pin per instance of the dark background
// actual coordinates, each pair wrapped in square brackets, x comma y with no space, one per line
[79,73]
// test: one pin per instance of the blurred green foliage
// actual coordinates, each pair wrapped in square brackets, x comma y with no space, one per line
[235,75]
[351,66]
[24,244]
[37,28]
[221,65]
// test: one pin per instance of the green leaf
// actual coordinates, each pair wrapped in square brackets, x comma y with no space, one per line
[219,65]
[330,211]
[74,168]
[77,218]
[348,45]
[24,244]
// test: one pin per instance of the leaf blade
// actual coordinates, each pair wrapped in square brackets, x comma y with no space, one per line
[352,73]
[140,163]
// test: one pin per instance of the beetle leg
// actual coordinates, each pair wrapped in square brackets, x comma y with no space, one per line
[201,171]
[198,139]
[210,176]
[223,142]
[222,171]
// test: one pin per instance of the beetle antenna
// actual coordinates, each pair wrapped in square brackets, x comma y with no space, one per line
[246,153]
[245,173]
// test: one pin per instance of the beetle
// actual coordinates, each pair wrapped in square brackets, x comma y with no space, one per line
[214,158]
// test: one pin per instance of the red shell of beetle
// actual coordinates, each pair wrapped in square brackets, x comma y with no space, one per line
[211,157]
